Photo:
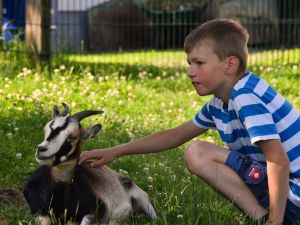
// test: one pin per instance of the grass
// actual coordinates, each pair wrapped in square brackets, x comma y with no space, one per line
[139,97]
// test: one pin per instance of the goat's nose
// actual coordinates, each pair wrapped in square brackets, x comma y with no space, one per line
[41,149]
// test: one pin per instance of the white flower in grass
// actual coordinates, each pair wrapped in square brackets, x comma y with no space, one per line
[173,177]
[269,69]
[150,179]
[146,169]
[36,94]
[179,216]
[90,76]
[161,164]
[37,77]
[19,155]
[56,70]
[28,99]
[100,79]
[123,172]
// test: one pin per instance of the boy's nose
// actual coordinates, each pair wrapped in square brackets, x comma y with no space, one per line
[190,72]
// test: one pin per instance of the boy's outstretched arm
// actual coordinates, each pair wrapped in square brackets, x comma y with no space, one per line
[278,178]
[156,142]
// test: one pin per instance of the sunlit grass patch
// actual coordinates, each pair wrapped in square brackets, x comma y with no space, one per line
[138,99]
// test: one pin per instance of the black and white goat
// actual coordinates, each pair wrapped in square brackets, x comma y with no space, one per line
[78,194]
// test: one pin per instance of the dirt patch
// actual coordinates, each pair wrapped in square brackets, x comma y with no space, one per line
[13,197]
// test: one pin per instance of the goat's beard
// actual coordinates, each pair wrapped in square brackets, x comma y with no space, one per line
[47,161]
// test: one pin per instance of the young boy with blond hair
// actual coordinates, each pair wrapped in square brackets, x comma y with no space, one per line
[259,171]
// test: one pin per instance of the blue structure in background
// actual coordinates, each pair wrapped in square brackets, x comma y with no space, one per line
[13,22]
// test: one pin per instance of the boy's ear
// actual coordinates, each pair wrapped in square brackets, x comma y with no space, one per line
[232,64]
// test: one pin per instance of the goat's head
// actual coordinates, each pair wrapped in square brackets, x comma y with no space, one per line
[64,136]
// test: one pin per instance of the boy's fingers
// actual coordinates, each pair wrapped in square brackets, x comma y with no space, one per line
[87,155]
[98,163]
[82,158]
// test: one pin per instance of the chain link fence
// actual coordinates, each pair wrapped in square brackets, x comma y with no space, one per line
[95,28]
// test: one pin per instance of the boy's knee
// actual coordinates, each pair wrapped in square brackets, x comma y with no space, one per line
[196,155]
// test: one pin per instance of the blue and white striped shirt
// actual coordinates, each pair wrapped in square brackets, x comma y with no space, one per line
[256,112]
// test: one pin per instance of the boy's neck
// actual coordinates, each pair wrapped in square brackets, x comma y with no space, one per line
[225,95]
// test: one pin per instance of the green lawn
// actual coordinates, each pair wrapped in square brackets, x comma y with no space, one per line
[138,97]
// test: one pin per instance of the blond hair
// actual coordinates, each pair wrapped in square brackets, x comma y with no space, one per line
[228,38]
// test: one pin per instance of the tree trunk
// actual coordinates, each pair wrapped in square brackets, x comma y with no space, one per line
[37,31]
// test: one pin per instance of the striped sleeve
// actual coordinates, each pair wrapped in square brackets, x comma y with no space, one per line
[256,117]
[203,119]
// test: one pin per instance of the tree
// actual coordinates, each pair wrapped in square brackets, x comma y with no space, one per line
[37,31]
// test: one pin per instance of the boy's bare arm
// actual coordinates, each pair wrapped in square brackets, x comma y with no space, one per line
[156,142]
[278,178]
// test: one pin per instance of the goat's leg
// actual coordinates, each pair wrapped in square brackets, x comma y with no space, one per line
[121,214]
[141,201]
[87,219]
[43,220]
[115,222]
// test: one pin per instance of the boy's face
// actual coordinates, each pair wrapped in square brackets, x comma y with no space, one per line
[207,71]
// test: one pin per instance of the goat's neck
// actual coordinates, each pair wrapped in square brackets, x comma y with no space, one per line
[64,172]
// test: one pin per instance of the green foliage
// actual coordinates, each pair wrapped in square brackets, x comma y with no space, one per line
[14,54]
[138,97]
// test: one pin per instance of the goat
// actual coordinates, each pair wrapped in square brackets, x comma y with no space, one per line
[68,193]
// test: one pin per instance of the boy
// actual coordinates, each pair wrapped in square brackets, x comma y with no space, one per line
[259,171]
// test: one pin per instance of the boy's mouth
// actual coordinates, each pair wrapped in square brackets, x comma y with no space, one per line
[196,83]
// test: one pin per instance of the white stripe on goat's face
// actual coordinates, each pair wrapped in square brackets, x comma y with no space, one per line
[62,136]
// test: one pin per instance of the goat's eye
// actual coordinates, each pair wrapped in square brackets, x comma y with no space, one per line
[71,138]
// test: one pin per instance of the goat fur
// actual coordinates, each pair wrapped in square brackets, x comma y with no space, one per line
[62,191]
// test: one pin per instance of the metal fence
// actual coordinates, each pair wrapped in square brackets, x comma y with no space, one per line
[102,26]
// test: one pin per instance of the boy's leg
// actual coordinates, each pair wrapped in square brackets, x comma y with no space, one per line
[207,161]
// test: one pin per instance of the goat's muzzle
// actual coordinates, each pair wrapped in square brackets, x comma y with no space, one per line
[43,160]
[41,149]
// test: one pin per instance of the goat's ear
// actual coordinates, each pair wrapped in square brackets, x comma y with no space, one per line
[91,132]
[55,111]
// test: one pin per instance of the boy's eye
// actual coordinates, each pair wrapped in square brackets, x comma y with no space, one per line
[199,62]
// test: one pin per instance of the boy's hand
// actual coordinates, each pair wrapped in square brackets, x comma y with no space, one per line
[97,157]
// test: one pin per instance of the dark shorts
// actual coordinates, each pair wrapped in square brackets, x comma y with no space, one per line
[254,174]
